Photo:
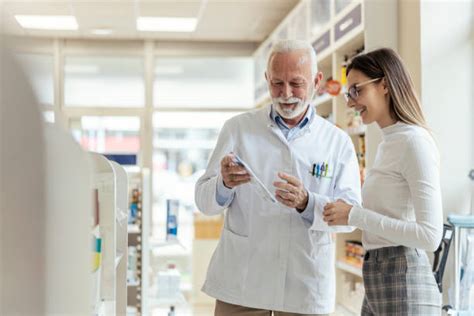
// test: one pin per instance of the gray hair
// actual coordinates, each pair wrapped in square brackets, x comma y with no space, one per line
[288,46]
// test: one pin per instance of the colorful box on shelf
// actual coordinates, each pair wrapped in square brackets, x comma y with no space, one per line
[135,205]
[207,227]
[97,253]
[172,212]
[354,253]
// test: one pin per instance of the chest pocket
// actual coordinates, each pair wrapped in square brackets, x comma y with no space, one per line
[319,176]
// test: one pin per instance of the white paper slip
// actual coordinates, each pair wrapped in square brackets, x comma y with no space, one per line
[261,188]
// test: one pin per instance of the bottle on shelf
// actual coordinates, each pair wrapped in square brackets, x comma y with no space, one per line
[134,205]
[344,70]
[172,210]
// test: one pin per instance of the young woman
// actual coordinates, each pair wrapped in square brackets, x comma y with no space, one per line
[402,215]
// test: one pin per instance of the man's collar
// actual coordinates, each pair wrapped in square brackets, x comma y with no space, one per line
[275,117]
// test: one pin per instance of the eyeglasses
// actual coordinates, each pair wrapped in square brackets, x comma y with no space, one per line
[353,91]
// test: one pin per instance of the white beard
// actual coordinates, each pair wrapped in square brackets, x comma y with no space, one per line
[289,113]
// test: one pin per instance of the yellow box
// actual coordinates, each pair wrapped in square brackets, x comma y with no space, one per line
[206,227]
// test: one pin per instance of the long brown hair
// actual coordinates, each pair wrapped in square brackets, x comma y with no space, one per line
[404,103]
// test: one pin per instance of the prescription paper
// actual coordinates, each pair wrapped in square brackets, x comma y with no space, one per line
[260,187]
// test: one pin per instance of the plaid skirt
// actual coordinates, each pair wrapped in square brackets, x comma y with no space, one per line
[399,281]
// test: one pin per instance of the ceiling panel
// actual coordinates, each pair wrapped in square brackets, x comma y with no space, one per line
[220,20]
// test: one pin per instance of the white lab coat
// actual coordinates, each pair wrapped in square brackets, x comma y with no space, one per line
[268,256]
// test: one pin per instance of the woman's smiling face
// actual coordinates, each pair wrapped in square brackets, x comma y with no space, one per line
[372,101]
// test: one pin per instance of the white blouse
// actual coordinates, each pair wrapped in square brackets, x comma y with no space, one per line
[401,194]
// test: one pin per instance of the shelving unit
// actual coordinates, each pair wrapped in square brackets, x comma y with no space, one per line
[47,265]
[338,29]
[342,265]
[138,239]
[110,181]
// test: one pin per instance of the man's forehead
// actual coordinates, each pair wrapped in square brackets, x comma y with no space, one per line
[294,64]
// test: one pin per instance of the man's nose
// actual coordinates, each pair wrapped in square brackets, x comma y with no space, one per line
[287,91]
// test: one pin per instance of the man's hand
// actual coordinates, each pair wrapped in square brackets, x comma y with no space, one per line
[292,193]
[232,173]
[337,213]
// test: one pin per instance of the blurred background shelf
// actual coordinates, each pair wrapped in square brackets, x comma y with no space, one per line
[347,267]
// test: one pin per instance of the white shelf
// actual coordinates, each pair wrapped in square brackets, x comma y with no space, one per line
[170,250]
[111,181]
[133,229]
[346,267]
[323,99]
[131,284]
[325,58]
[178,300]
[166,243]
[347,9]
[106,308]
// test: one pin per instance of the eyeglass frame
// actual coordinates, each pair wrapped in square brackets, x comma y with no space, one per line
[347,95]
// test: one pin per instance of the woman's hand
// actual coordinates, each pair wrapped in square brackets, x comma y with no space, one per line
[337,213]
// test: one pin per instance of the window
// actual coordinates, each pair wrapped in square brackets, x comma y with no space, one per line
[104,81]
[108,134]
[203,82]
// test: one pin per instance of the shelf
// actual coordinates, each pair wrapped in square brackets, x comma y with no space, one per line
[107,177]
[132,284]
[325,98]
[166,243]
[350,309]
[324,59]
[347,267]
[169,250]
[133,229]
[351,41]
[106,308]
[341,14]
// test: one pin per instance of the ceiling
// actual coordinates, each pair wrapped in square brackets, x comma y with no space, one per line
[219,20]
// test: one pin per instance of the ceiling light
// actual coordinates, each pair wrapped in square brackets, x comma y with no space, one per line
[47,22]
[166,24]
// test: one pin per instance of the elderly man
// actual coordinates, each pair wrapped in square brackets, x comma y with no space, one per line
[278,257]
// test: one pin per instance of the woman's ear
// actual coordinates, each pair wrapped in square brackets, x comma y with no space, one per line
[384,86]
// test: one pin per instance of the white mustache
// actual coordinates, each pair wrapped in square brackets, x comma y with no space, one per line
[290,100]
